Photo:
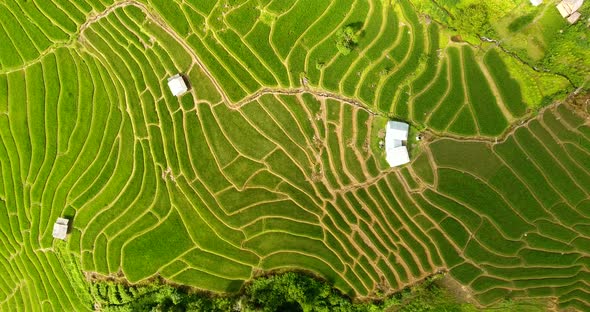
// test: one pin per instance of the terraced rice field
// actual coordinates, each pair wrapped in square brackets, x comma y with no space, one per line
[269,162]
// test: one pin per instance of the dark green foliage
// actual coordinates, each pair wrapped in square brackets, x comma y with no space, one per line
[569,50]
[289,291]
[157,297]
[474,19]
[294,292]
[426,297]
[347,39]
[521,22]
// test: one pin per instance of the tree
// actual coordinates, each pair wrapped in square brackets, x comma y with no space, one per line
[347,39]
[474,19]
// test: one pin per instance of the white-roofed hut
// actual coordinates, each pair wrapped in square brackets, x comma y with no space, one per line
[396,136]
[569,9]
[60,228]
[572,19]
[177,85]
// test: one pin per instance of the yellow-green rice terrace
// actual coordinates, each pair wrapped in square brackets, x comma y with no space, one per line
[272,158]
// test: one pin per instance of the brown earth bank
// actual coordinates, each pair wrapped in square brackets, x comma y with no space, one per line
[579,101]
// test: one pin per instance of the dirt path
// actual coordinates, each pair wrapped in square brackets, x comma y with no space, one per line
[297,91]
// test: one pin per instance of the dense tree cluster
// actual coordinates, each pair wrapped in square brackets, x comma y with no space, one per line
[347,39]
[297,292]
[287,292]
[113,297]
[474,19]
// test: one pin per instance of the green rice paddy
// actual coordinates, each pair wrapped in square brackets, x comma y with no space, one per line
[270,161]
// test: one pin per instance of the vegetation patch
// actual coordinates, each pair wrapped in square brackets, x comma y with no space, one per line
[347,39]
[521,22]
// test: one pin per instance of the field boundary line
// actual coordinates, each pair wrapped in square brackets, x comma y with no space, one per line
[494,88]
[342,148]
[211,210]
[159,21]
[302,35]
[539,168]
[362,53]
[424,244]
[295,91]
[331,61]
[560,164]
[402,215]
[527,186]
[281,126]
[405,22]
[524,120]
[93,121]
[449,86]
[560,142]
[465,87]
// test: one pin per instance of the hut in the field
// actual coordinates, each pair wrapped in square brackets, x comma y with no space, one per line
[569,9]
[536,2]
[60,228]
[177,85]
[574,17]
[396,136]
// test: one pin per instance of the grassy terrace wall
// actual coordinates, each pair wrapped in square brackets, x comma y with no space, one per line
[267,163]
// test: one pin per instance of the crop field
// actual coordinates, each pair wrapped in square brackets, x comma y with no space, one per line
[519,223]
[269,162]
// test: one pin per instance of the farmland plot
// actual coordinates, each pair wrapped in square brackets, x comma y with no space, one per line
[400,66]
[518,220]
[267,162]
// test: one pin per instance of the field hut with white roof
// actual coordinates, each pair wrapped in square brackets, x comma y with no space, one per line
[396,136]
[60,228]
[177,85]
[569,9]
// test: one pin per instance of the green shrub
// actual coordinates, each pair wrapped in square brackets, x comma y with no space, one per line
[520,22]
[474,19]
[347,39]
